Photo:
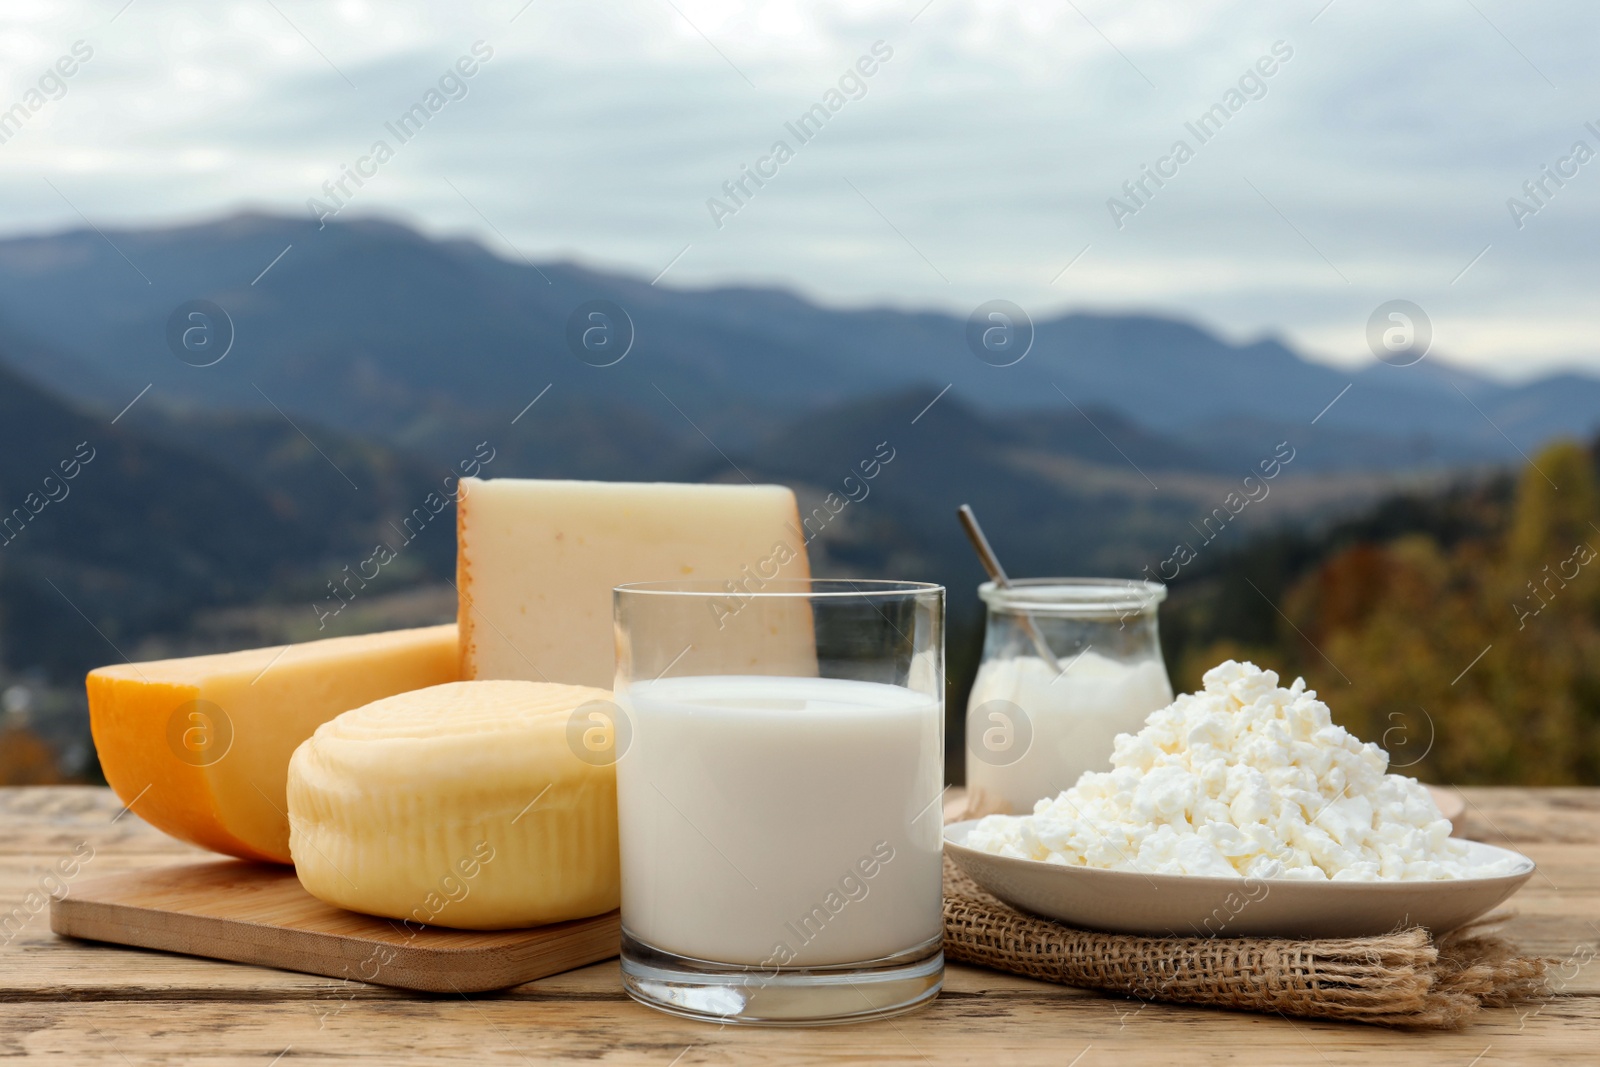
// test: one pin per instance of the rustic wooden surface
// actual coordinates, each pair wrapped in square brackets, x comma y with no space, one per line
[84,1003]
[259,913]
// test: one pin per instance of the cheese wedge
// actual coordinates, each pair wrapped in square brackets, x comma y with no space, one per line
[200,747]
[537,560]
[459,805]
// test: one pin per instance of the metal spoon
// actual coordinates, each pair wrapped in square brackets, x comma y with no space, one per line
[991,563]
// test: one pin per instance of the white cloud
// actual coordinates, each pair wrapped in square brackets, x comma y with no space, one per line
[990,142]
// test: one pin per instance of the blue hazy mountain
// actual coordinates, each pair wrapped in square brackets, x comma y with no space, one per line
[377,330]
[113,532]
[369,360]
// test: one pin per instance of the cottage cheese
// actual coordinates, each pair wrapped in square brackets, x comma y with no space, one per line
[1243,779]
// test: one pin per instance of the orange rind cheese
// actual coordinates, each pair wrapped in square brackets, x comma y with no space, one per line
[199,747]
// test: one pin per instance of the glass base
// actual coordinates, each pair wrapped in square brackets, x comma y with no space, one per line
[784,996]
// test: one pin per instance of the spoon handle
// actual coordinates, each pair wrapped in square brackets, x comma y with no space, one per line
[991,563]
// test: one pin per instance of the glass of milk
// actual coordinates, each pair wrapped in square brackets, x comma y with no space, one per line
[1032,729]
[779,772]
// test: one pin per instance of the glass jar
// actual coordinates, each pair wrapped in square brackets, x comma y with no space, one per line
[1032,729]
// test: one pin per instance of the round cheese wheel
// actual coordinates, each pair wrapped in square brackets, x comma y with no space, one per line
[459,805]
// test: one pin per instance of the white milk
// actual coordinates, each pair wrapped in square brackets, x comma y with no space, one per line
[780,821]
[1074,717]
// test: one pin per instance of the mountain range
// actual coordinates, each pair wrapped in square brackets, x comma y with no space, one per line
[368,360]
[380,331]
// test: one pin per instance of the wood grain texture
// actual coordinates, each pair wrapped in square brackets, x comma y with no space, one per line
[259,913]
[76,1002]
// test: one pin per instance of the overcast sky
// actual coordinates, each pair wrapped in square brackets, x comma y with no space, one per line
[975,162]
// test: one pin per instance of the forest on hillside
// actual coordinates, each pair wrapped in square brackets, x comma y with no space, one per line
[1461,631]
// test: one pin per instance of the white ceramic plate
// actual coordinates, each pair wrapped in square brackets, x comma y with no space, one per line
[1161,905]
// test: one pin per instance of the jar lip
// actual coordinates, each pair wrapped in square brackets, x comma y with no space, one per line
[1075,596]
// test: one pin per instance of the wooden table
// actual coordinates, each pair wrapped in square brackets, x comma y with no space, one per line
[83,1003]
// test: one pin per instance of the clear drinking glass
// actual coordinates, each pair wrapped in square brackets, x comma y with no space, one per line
[779,769]
[1033,728]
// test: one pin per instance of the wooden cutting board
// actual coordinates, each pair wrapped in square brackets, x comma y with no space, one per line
[259,913]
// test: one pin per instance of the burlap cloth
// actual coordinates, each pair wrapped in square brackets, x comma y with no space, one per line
[1404,979]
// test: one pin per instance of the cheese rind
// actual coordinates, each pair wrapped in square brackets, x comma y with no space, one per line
[537,561]
[199,747]
[459,805]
